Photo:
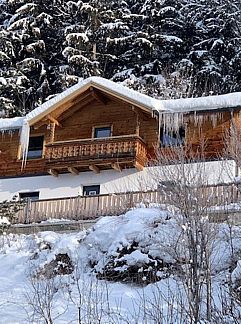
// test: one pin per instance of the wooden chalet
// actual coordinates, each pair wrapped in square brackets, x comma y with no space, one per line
[98,126]
[88,128]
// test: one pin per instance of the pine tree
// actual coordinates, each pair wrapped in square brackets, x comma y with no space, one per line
[215,44]
[164,48]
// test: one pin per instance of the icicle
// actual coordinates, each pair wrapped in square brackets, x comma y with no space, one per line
[24,141]
[214,119]
[196,119]
[159,126]
[178,121]
[7,131]
[170,122]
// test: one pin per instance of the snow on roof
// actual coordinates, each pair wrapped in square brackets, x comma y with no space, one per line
[11,123]
[230,100]
[184,105]
[103,84]
[174,105]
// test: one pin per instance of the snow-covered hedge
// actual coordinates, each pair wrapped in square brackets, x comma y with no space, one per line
[134,247]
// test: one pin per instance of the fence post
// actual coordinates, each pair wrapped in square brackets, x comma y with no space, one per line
[27,210]
[131,202]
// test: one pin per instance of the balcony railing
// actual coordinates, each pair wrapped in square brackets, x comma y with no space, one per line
[120,147]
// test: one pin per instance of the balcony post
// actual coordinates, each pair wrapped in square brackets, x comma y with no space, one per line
[138,127]
[137,122]
[52,132]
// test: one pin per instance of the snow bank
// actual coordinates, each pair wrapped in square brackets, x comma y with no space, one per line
[4,221]
[54,244]
[151,239]
[153,231]
[136,242]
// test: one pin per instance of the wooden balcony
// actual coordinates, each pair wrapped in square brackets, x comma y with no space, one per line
[96,154]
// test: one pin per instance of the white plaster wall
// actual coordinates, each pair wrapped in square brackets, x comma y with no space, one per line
[111,181]
[68,185]
[206,173]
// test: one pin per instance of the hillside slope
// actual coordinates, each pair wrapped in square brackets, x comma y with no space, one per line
[50,275]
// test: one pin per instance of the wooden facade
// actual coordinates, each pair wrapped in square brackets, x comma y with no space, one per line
[70,146]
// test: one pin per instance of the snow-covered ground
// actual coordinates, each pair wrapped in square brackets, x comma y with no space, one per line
[30,267]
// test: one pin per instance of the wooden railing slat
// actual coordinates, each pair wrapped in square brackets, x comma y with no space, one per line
[84,207]
[112,146]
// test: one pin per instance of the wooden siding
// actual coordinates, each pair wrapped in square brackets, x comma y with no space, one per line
[9,143]
[91,207]
[124,120]
[79,125]
[210,134]
[75,120]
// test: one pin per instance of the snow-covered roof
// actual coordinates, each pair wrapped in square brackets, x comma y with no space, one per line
[11,123]
[134,97]
[105,85]
[229,100]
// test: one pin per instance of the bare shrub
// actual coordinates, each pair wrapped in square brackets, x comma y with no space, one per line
[41,297]
[184,188]
[92,300]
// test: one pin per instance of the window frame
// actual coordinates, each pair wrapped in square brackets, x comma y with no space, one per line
[42,154]
[28,193]
[99,127]
[89,186]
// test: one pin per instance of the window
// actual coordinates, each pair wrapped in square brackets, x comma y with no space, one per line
[169,138]
[102,132]
[35,147]
[29,195]
[91,190]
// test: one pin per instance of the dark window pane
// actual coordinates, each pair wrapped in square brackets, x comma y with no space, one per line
[35,147]
[29,195]
[35,154]
[102,132]
[172,138]
[91,190]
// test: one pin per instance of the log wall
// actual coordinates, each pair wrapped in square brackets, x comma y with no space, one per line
[124,120]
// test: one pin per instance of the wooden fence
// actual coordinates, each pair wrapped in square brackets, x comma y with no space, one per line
[90,207]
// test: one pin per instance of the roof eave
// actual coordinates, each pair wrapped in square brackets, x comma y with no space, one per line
[80,90]
[123,97]
[83,88]
[203,111]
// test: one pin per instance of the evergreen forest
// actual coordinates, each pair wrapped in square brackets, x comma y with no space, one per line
[163,48]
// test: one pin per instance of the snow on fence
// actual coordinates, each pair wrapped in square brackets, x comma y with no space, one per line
[91,207]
